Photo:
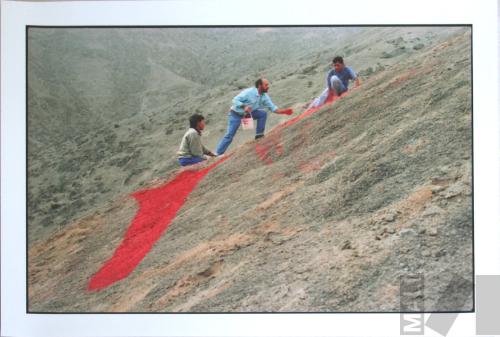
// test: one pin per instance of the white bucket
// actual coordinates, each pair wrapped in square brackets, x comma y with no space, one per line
[247,123]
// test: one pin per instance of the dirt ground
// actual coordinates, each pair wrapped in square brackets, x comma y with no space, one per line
[350,200]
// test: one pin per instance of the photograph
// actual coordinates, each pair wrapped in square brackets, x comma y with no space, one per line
[249,169]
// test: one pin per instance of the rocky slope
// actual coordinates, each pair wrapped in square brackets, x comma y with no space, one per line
[107,107]
[361,193]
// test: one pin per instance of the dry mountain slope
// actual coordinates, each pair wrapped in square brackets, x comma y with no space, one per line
[368,190]
[107,107]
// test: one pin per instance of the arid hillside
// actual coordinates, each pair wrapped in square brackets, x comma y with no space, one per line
[327,213]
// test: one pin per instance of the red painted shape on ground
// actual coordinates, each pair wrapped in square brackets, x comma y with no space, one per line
[263,148]
[263,153]
[272,141]
[157,208]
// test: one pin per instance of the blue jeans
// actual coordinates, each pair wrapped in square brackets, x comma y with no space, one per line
[338,88]
[190,161]
[233,125]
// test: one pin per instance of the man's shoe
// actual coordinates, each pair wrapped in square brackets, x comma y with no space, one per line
[258,136]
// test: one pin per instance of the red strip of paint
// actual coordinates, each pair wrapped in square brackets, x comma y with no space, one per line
[263,148]
[310,111]
[157,208]
[272,141]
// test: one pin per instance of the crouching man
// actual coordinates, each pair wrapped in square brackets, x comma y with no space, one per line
[192,150]
[250,103]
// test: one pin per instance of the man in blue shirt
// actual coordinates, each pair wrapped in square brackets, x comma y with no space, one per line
[249,103]
[337,81]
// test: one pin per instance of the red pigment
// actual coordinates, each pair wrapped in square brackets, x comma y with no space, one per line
[263,153]
[263,149]
[264,146]
[157,208]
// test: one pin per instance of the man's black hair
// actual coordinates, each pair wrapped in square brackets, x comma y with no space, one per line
[258,82]
[338,59]
[194,119]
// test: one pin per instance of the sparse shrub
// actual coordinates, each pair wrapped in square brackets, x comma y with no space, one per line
[366,72]
[397,41]
[110,138]
[379,67]
[394,53]
[310,70]
[386,55]
[418,46]
[46,222]
[55,206]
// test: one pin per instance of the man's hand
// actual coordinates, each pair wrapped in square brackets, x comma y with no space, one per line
[284,111]
[247,109]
